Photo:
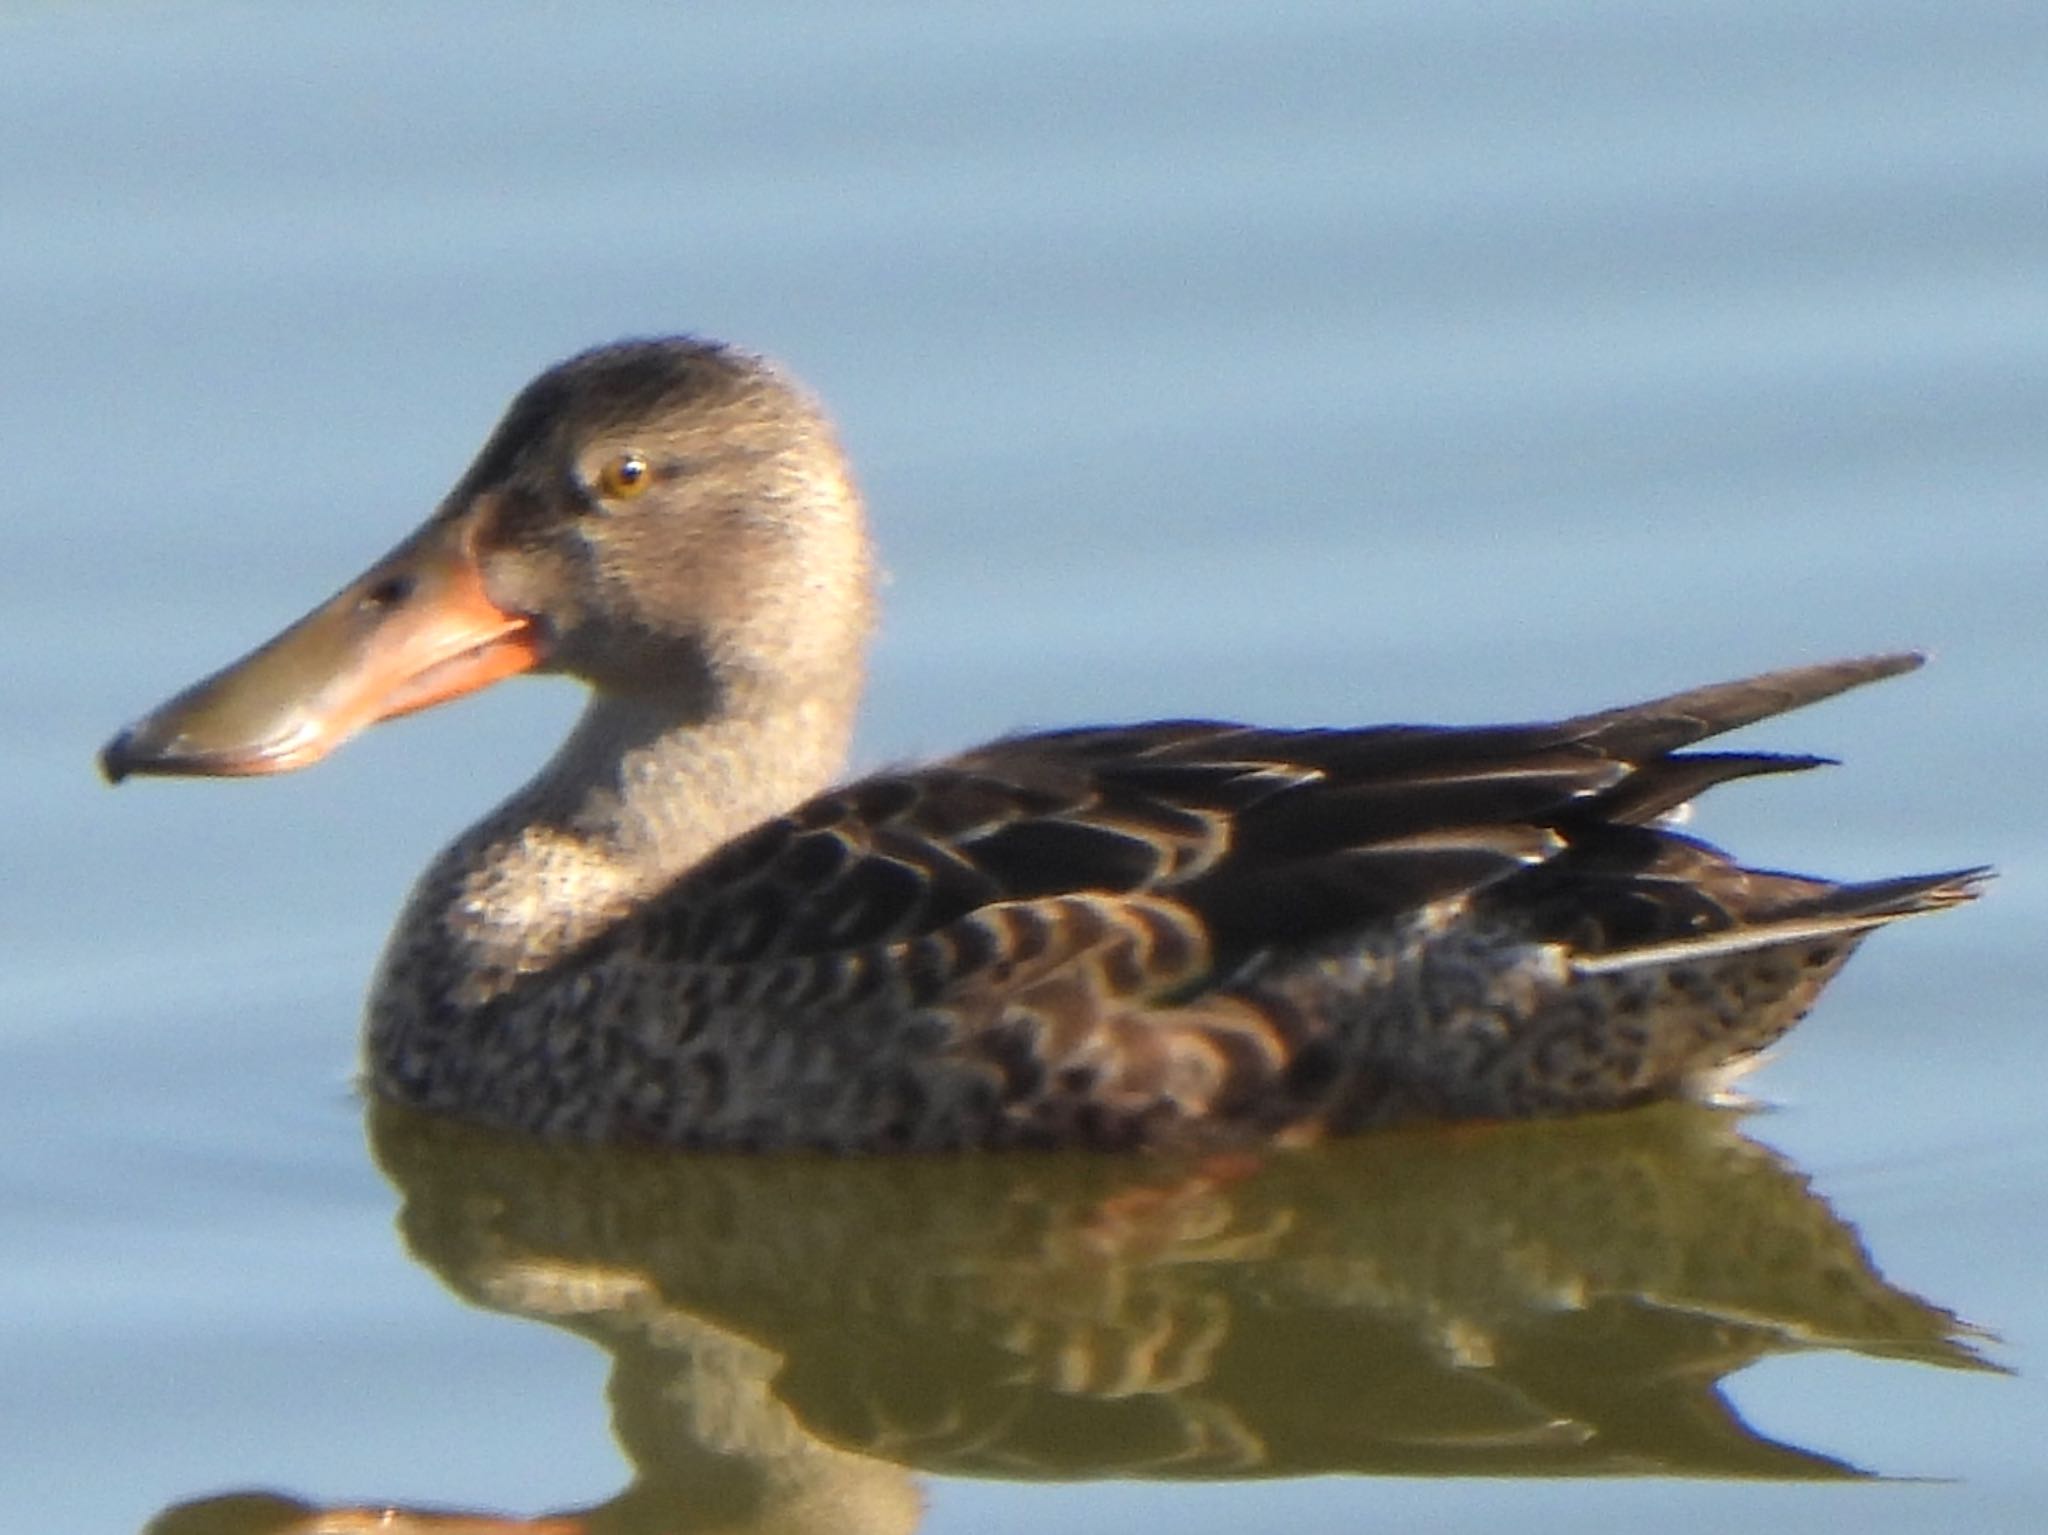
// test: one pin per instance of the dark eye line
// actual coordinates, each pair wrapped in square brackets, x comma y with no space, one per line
[658,469]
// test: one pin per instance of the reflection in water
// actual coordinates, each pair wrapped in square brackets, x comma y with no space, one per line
[792,1336]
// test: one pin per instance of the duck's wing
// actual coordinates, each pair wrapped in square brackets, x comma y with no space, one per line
[1119,936]
[1250,837]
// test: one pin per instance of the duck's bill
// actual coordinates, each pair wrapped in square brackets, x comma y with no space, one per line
[415,629]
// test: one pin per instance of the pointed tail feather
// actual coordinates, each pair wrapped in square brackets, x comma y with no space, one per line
[1841,912]
[1666,724]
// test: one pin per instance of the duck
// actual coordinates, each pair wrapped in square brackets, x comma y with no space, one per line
[686,931]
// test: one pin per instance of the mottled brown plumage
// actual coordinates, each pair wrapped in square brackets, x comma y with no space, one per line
[1115,936]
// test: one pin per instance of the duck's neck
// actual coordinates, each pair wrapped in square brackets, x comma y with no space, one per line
[640,792]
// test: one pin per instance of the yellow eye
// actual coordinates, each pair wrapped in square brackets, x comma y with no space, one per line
[624,477]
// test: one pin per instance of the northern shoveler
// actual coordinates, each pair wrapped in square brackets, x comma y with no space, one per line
[677,932]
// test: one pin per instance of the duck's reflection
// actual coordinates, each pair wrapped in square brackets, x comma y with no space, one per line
[791,1337]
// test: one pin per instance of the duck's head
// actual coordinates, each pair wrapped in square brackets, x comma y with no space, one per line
[670,521]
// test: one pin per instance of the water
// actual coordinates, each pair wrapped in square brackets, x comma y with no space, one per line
[1292,362]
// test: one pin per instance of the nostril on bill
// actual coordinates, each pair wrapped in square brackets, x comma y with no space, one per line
[389,592]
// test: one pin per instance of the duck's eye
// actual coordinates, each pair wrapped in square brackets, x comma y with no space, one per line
[624,477]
